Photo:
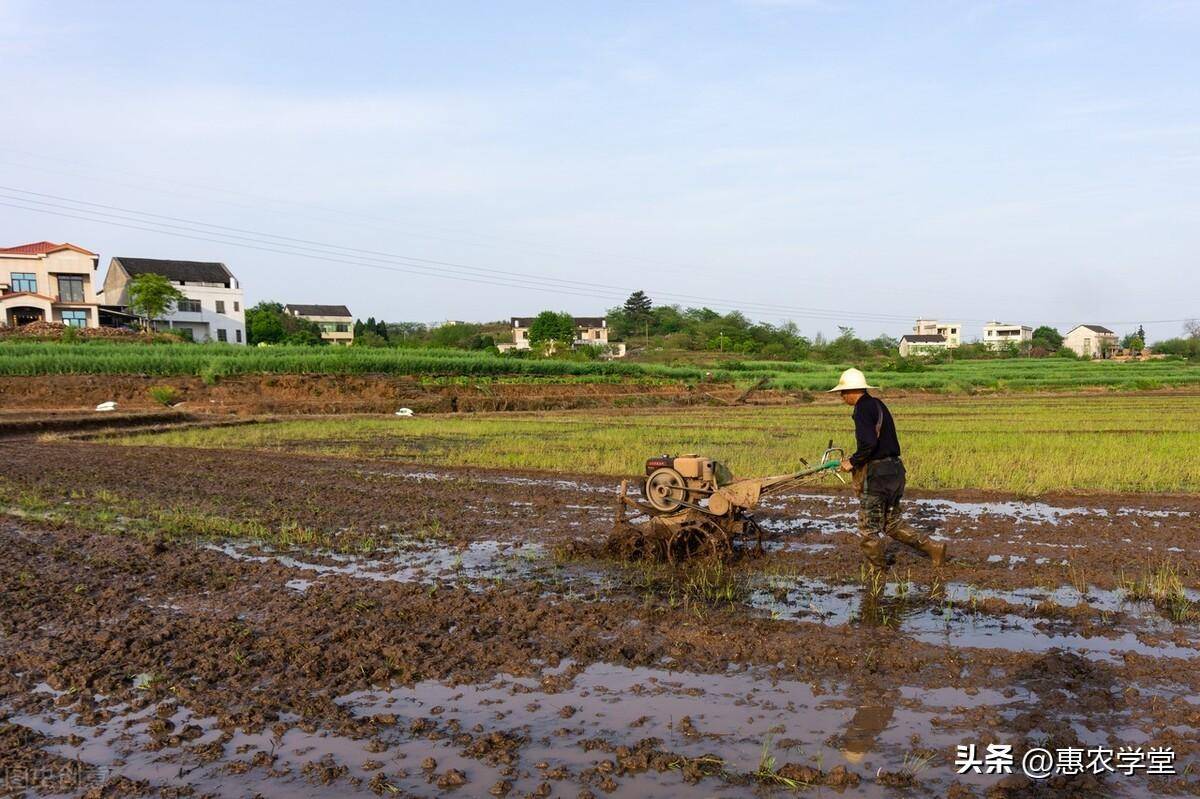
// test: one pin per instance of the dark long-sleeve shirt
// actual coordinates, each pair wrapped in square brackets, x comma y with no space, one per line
[874,432]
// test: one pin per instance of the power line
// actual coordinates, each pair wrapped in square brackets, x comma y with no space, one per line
[323,251]
[307,248]
[459,236]
[388,257]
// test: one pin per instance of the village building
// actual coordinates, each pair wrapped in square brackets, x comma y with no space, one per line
[999,335]
[335,321]
[48,282]
[212,308]
[589,331]
[950,331]
[912,344]
[1091,341]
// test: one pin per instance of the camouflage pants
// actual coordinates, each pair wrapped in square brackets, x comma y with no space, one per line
[879,515]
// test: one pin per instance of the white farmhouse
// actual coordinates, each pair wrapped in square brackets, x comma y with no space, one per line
[950,331]
[912,344]
[1091,341]
[336,321]
[589,331]
[213,306]
[998,335]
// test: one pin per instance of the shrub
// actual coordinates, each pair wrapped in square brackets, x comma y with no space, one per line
[163,395]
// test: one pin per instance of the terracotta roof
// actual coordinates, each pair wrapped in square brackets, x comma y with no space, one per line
[10,295]
[913,338]
[319,310]
[43,248]
[1099,329]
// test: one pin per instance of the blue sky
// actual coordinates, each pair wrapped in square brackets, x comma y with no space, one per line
[816,160]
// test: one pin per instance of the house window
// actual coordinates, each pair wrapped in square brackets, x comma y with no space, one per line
[220,306]
[342,328]
[24,281]
[236,306]
[222,335]
[188,306]
[70,288]
[237,334]
[75,318]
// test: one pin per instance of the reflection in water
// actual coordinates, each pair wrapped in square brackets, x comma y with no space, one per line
[872,717]
[879,609]
[876,703]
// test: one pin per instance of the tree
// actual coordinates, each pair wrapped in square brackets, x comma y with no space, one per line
[405,331]
[1135,341]
[1047,338]
[638,306]
[370,339]
[550,326]
[1191,328]
[263,326]
[269,323]
[152,296]
[638,310]
[454,334]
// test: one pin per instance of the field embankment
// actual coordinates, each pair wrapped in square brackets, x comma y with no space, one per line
[341,394]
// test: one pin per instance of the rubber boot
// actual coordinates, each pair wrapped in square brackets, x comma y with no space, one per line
[874,550]
[935,550]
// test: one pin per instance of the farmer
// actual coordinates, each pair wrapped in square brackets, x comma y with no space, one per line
[878,475]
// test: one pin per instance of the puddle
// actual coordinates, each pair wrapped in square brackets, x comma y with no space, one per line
[477,562]
[559,730]
[942,623]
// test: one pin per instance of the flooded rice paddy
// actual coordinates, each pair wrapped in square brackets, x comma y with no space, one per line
[446,635]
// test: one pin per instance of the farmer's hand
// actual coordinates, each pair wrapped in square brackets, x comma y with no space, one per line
[846,465]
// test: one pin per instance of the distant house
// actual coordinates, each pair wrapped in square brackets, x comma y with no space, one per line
[589,331]
[950,331]
[1091,341]
[913,344]
[335,321]
[998,335]
[48,282]
[212,308]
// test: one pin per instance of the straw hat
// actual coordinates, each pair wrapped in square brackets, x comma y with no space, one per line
[851,380]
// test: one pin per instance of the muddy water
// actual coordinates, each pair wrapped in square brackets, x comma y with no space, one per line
[238,669]
[476,563]
[560,731]
[956,616]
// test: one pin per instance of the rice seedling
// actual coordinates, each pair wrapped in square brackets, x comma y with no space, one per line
[714,583]
[1162,586]
[981,443]
[917,761]
[766,774]
[1078,578]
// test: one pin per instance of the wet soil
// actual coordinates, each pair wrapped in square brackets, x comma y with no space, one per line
[432,638]
[323,394]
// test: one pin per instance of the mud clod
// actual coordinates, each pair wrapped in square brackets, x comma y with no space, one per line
[453,778]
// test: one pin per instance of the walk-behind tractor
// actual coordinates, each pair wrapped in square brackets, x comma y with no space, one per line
[697,508]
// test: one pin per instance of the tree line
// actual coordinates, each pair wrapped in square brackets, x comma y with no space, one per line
[649,327]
